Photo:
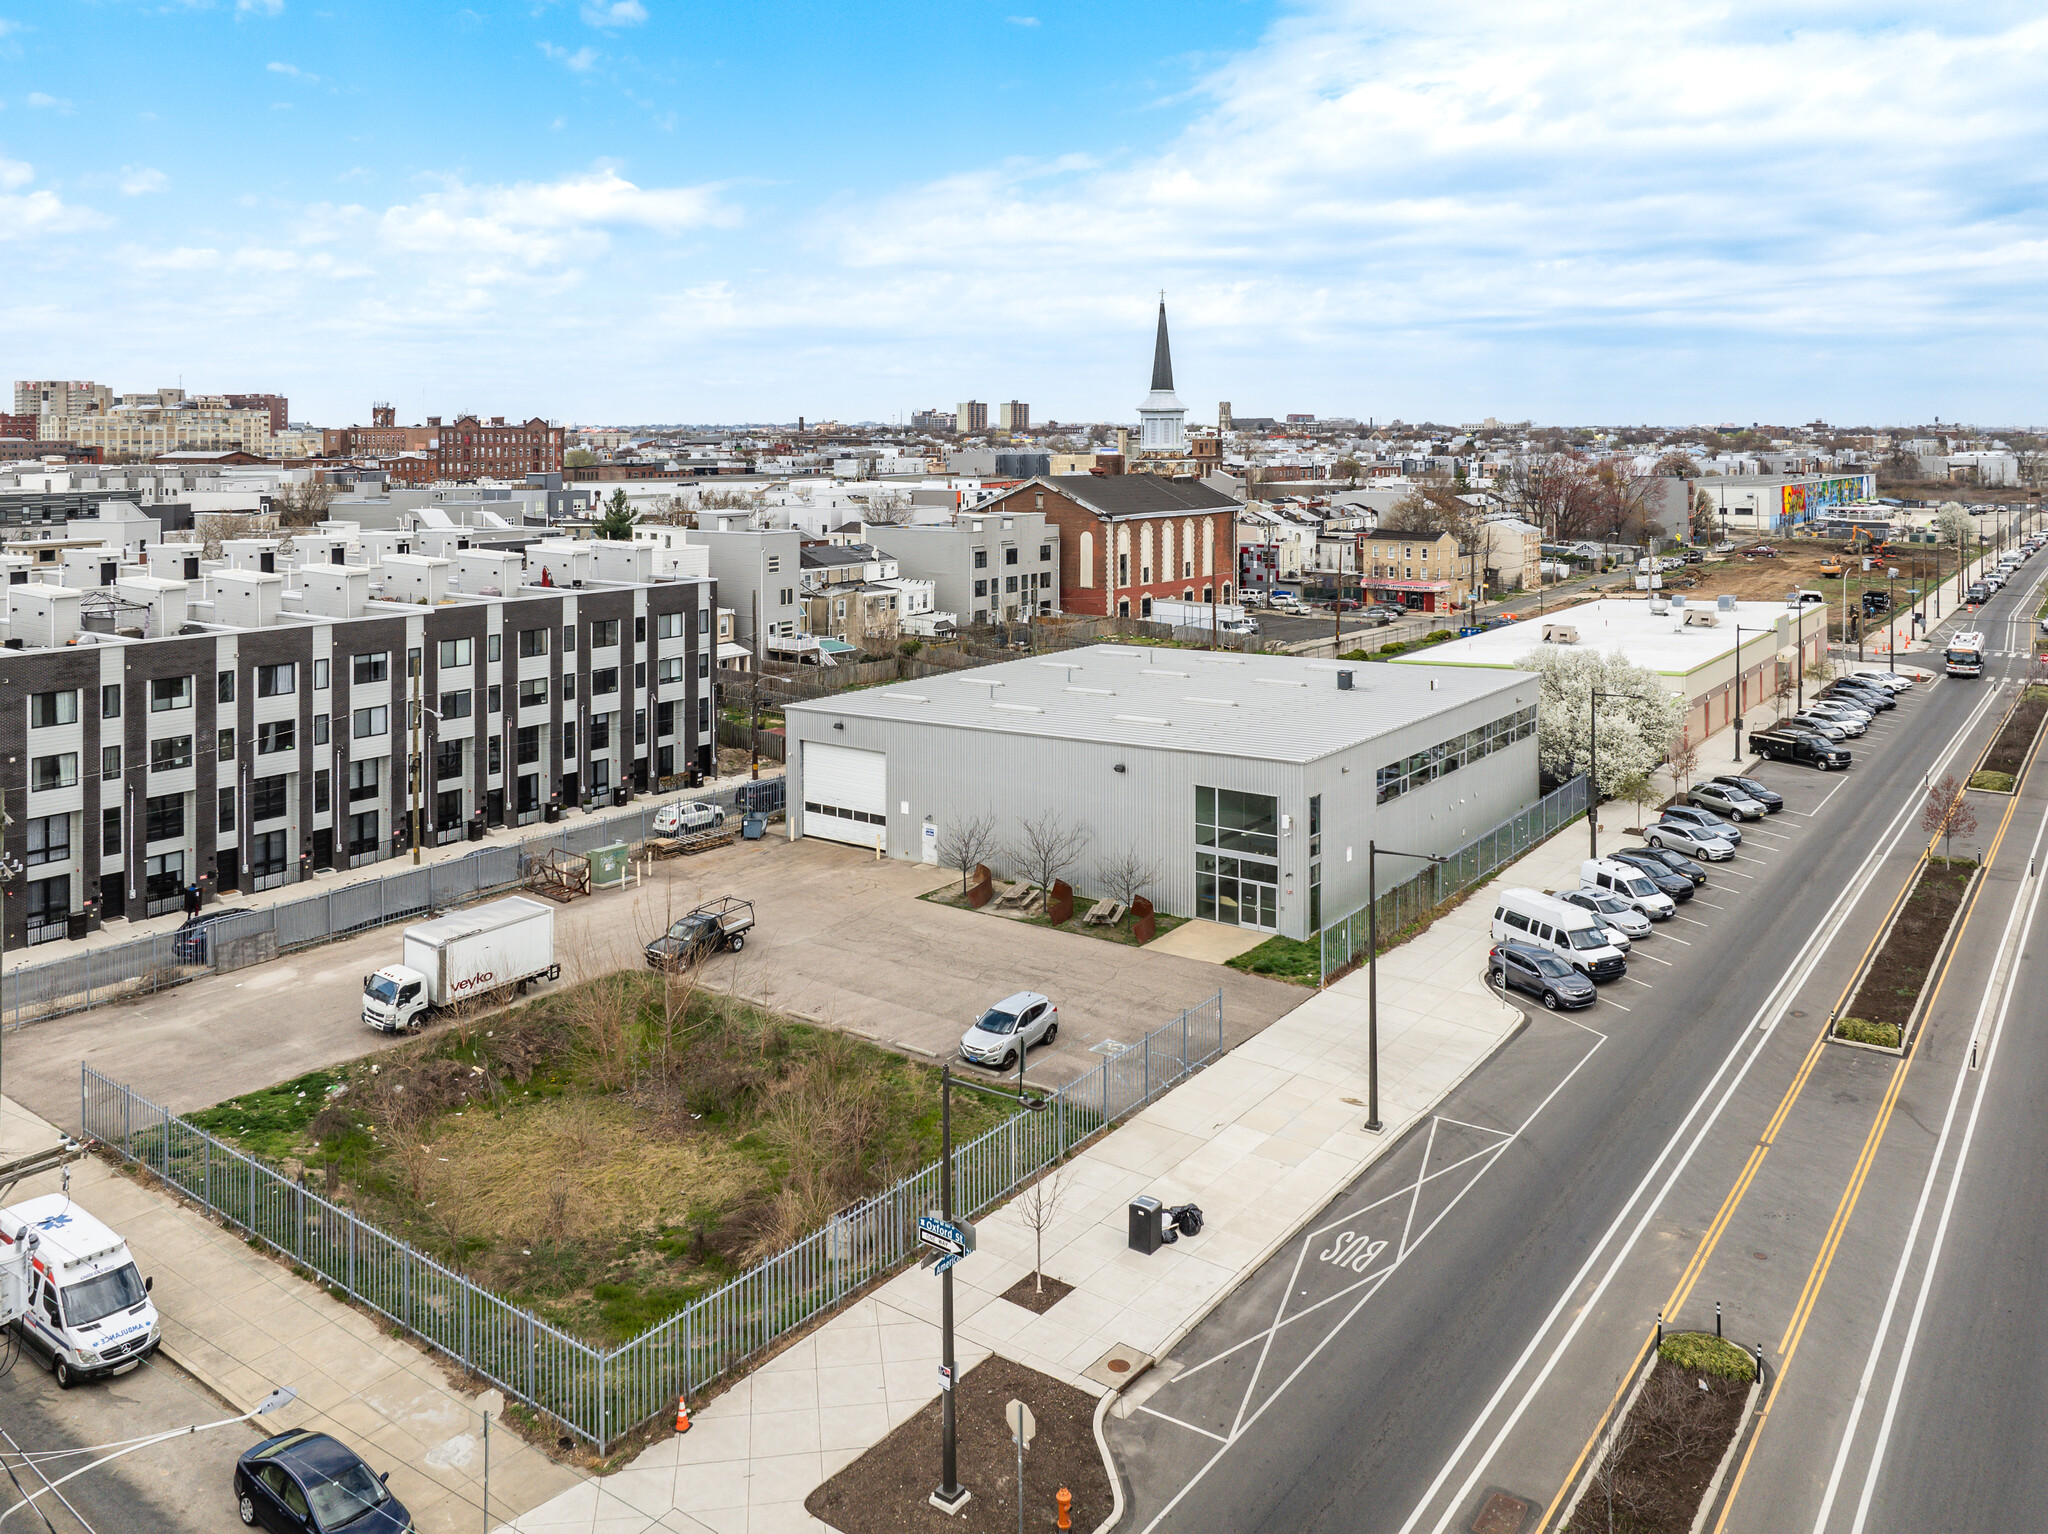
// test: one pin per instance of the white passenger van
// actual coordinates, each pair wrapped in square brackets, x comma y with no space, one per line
[1629,883]
[88,1312]
[1571,932]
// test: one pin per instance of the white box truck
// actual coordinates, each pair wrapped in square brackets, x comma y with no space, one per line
[72,1291]
[490,948]
[1227,617]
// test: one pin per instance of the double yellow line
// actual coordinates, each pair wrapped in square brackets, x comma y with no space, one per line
[1682,1290]
[1788,1345]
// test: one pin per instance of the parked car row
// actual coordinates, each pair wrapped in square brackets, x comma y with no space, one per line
[1840,711]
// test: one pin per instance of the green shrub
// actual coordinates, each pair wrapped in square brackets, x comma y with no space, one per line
[1858,1031]
[1994,782]
[1698,1353]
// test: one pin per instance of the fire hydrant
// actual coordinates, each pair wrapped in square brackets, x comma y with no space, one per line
[1066,1503]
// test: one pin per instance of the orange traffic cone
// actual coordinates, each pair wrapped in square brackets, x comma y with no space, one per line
[682,1415]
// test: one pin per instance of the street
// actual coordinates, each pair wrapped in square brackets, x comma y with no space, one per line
[1461,1319]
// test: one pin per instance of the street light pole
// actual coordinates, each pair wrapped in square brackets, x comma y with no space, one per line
[1738,694]
[1372,976]
[1891,638]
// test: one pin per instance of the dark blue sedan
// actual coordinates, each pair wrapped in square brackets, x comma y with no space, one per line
[309,1483]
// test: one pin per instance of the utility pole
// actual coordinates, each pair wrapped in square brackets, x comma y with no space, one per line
[754,696]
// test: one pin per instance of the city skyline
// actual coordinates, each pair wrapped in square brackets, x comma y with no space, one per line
[625,212]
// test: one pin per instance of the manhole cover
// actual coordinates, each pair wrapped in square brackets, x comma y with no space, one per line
[1120,1363]
[1501,1514]
[1797,1013]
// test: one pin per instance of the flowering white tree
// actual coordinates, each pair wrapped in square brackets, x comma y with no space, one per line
[1639,714]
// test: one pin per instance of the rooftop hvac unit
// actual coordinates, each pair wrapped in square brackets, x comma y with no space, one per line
[1725,602]
[1678,604]
[1658,606]
[1560,633]
[1699,617]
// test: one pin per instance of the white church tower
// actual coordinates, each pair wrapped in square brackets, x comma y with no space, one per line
[1162,418]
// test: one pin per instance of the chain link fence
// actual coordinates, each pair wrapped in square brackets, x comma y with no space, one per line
[102,975]
[596,1395]
[1406,903]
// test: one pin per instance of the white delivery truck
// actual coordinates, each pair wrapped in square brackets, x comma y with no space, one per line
[1227,617]
[453,958]
[71,1289]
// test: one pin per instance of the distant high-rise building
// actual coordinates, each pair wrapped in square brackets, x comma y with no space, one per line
[56,396]
[971,416]
[278,406]
[1014,416]
[1223,426]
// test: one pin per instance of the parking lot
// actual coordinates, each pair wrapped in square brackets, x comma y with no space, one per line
[841,939]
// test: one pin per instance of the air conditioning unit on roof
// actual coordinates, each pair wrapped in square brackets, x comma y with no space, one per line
[1560,633]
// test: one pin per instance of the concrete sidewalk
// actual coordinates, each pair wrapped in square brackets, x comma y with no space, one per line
[242,1324]
[1262,1140]
[121,930]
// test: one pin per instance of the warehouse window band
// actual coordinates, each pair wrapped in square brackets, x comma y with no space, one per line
[1412,772]
[833,809]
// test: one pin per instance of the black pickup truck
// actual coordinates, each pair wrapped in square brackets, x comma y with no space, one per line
[1800,746]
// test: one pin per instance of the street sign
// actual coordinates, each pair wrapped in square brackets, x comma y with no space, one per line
[1023,1426]
[946,1262]
[945,1377]
[955,1238]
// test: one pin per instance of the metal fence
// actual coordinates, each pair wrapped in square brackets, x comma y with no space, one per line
[98,976]
[1406,903]
[600,1396]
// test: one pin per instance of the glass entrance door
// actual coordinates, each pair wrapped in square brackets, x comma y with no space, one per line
[1243,892]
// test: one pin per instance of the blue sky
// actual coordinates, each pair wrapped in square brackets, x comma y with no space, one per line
[634,210]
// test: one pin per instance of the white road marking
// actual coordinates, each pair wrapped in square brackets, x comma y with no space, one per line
[1751,1043]
[1631,979]
[1618,1004]
[1691,923]
[1743,857]
[1686,942]
[1655,960]
[1148,1411]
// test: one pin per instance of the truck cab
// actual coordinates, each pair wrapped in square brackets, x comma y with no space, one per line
[87,1309]
[395,999]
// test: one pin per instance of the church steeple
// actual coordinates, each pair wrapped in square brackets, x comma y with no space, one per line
[1162,356]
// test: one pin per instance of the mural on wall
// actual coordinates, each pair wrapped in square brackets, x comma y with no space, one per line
[1804,503]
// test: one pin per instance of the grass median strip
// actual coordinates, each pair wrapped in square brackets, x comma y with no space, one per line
[1888,996]
[608,1153]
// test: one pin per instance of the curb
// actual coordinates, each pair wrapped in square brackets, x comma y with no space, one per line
[1267,1254]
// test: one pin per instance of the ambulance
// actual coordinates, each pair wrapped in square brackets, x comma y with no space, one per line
[86,1309]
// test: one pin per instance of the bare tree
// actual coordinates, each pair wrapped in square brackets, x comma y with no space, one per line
[1038,1206]
[1611,1477]
[1683,760]
[964,843]
[302,505]
[1046,848]
[211,529]
[1127,875]
[1947,813]
[1635,788]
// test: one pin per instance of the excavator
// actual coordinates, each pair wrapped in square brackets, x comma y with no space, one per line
[1861,544]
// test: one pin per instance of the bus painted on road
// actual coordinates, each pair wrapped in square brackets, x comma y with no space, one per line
[1965,655]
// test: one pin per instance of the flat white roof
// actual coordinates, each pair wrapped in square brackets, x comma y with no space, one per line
[1619,626]
[1265,707]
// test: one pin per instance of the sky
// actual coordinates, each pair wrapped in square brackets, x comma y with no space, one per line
[632,211]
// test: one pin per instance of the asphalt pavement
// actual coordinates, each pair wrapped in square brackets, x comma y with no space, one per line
[183,1485]
[1462,1317]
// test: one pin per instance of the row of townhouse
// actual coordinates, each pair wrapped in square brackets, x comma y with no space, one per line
[245,722]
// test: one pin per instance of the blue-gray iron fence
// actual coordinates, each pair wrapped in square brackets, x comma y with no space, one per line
[98,976]
[597,1395]
[1403,904]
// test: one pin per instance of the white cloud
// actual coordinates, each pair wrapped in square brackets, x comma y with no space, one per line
[291,71]
[618,13]
[1023,21]
[49,103]
[582,61]
[137,180]
[501,231]
[25,215]
[260,7]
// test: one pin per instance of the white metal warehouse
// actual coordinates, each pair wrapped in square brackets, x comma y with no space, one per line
[1251,782]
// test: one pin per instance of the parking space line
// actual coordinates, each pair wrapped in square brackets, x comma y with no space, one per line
[1745,858]
[1738,874]
[1774,835]
[1679,939]
[1618,1004]
[1655,960]
[1631,979]
[1809,814]
[1689,921]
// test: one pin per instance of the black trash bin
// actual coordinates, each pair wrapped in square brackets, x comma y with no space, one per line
[1145,1220]
[476,830]
[619,794]
[77,924]
[552,813]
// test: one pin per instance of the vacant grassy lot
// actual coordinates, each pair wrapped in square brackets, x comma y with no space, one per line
[606,1154]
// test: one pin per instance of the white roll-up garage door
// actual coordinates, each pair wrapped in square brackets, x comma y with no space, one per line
[845,793]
